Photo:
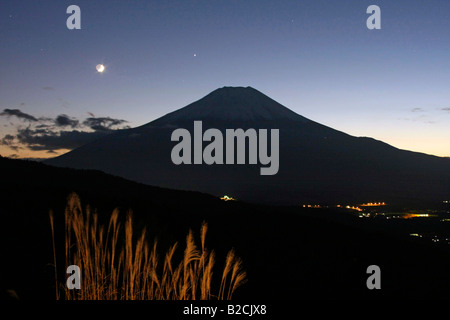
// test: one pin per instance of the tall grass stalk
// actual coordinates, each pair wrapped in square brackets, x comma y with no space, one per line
[116,265]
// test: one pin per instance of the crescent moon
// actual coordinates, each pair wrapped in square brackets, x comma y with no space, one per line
[100,68]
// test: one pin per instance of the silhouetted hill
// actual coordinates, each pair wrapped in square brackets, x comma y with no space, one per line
[317,164]
[288,252]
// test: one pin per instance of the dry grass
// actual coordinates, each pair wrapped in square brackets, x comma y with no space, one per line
[131,270]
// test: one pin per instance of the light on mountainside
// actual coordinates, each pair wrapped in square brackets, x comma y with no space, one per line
[227,198]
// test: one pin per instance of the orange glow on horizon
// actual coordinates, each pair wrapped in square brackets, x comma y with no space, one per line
[30,154]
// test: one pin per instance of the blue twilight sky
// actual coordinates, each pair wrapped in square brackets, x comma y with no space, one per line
[316,57]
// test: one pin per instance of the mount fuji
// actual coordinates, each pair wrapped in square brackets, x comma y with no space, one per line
[317,164]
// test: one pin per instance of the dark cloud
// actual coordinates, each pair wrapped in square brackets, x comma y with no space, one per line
[7,140]
[103,124]
[19,114]
[38,140]
[445,109]
[10,141]
[64,120]
[44,126]
[50,134]
[45,119]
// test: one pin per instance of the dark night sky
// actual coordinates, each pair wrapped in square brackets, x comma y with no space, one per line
[316,57]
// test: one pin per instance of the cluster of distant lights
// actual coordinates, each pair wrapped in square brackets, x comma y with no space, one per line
[362,214]
[350,207]
[402,216]
[373,204]
[436,239]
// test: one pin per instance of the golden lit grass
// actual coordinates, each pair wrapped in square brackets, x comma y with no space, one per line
[132,270]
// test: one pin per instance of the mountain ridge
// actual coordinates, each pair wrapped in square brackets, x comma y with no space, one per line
[317,163]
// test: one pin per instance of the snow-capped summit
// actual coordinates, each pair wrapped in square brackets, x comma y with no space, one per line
[231,104]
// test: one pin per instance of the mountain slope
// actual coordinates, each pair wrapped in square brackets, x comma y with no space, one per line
[289,253]
[317,163]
